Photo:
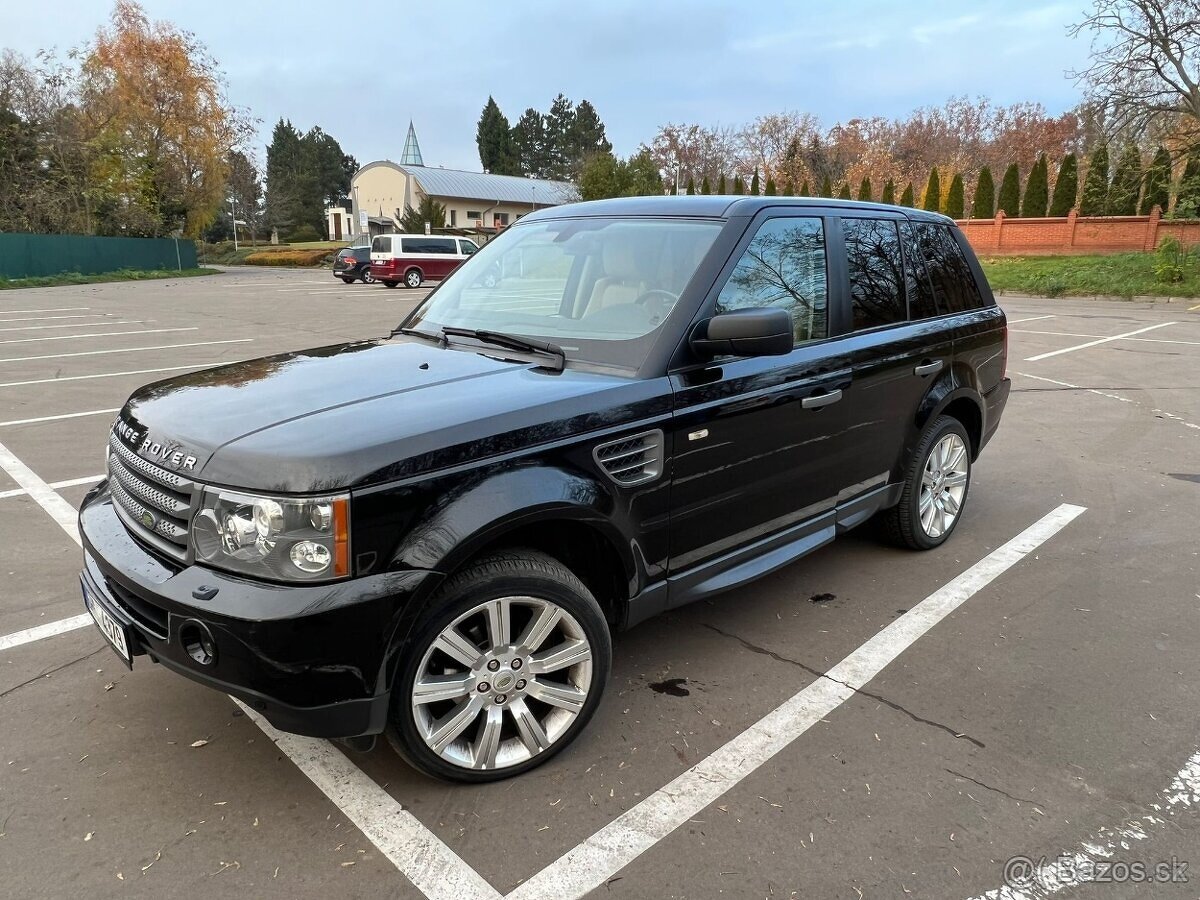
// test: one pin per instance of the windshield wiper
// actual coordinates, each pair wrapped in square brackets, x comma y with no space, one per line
[511,342]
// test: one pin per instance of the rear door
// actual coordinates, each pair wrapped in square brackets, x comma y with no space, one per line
[756,441]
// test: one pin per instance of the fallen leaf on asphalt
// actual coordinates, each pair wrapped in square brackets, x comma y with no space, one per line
[199,743]
[120,877]
[88,836]
[347,864]
[110,686]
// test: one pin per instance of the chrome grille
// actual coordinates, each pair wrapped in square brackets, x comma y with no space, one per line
[632,460]
[155,503]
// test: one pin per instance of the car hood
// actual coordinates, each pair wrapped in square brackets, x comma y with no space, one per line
[351,415]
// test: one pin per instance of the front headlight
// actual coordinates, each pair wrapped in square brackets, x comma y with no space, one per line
[281,538]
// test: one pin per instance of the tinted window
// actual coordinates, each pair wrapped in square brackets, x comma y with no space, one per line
[876,270]
[954,288]
[921,304]
[784,266]
[381,244]
[427,245]
[467,247]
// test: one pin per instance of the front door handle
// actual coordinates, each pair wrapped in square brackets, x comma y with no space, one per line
[928,368]
[819,400]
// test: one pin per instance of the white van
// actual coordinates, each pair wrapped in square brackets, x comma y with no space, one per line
[412,258]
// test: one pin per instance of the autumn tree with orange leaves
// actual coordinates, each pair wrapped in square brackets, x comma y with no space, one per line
[163,127]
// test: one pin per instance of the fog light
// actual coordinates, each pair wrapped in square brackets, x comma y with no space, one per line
[311,557]
[198,642]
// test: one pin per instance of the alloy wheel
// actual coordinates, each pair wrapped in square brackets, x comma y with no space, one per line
[502,683]
[943,485]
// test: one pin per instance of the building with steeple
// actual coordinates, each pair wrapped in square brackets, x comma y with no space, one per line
[477,203]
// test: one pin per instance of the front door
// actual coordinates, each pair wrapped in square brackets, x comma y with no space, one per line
[756,440]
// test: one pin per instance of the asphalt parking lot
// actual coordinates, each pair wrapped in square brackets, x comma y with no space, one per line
[868,722]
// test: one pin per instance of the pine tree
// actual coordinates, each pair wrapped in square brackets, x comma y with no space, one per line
[889,193]
[721,184]
[908,198]
[844,193]
[1009,200]
[864,189]
[804,191]
[983,204]
[1158,183]
[955,204]
[1126,183]
[754,183]
[1066,187]
[1037,190]
[738,187]
[1187,199]
[493,136]
[705,187]
[560,125]
[769,190]
[585,137]
[932,197]
[826,187]
[1094,201]
[530,144]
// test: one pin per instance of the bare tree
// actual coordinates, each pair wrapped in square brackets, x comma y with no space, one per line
[1144,75]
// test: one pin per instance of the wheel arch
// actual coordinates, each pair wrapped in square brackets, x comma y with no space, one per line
[952,398]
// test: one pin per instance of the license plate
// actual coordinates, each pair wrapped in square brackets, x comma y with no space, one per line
[109,627]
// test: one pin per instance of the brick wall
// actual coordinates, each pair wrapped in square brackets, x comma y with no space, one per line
[1003,236]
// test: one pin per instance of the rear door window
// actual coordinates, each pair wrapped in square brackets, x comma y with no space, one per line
[921,303]
[784,266]
[428,246]
[381,244]
[876,269]
[954,288]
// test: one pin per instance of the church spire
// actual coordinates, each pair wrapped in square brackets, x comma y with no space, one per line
[412,150]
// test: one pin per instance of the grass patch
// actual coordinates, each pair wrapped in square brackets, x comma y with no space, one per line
[119,275]
[1117,275]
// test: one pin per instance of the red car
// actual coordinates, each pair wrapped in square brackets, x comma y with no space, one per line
[413,258]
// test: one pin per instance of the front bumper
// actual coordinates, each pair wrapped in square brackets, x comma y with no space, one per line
[312,659]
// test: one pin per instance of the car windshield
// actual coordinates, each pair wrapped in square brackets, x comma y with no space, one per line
[600,288]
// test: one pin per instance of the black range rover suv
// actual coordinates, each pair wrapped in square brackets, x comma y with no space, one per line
[613,409]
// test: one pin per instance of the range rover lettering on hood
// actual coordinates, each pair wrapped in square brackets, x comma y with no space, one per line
[170,453]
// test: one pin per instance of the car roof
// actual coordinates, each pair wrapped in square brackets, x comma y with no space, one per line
[716,207]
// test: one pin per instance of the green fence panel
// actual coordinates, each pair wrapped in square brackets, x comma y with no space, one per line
[34,255]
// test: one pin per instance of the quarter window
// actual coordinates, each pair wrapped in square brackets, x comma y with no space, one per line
[954,288]
[784,266]
[876,270]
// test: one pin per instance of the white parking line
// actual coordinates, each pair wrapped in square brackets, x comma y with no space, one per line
[70,482]
[1049,874]
[96,334]
[5,384]
[56,507]
[1079,334]
[616,845]
[73,325]
[123,350]
[1029,319]
[51,309]
[433,868]
[90,412]
[1096,343]
[50,629]
[51,318]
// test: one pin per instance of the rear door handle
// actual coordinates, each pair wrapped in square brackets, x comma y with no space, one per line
[928,368]
[819,400]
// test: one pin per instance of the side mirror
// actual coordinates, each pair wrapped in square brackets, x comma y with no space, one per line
[762,331]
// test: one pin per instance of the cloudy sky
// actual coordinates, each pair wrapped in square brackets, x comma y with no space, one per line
[362,70]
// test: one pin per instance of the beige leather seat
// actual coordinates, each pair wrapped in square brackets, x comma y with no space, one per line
[624,279]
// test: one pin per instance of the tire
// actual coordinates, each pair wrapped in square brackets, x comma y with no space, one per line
[479,708]
[413,278]
[390,284]
[367,277]
[920,523]
[347,280]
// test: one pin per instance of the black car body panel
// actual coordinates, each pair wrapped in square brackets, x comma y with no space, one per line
[351,263]
[446,451]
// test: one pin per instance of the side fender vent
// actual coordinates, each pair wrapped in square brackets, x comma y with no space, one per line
[632,460]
